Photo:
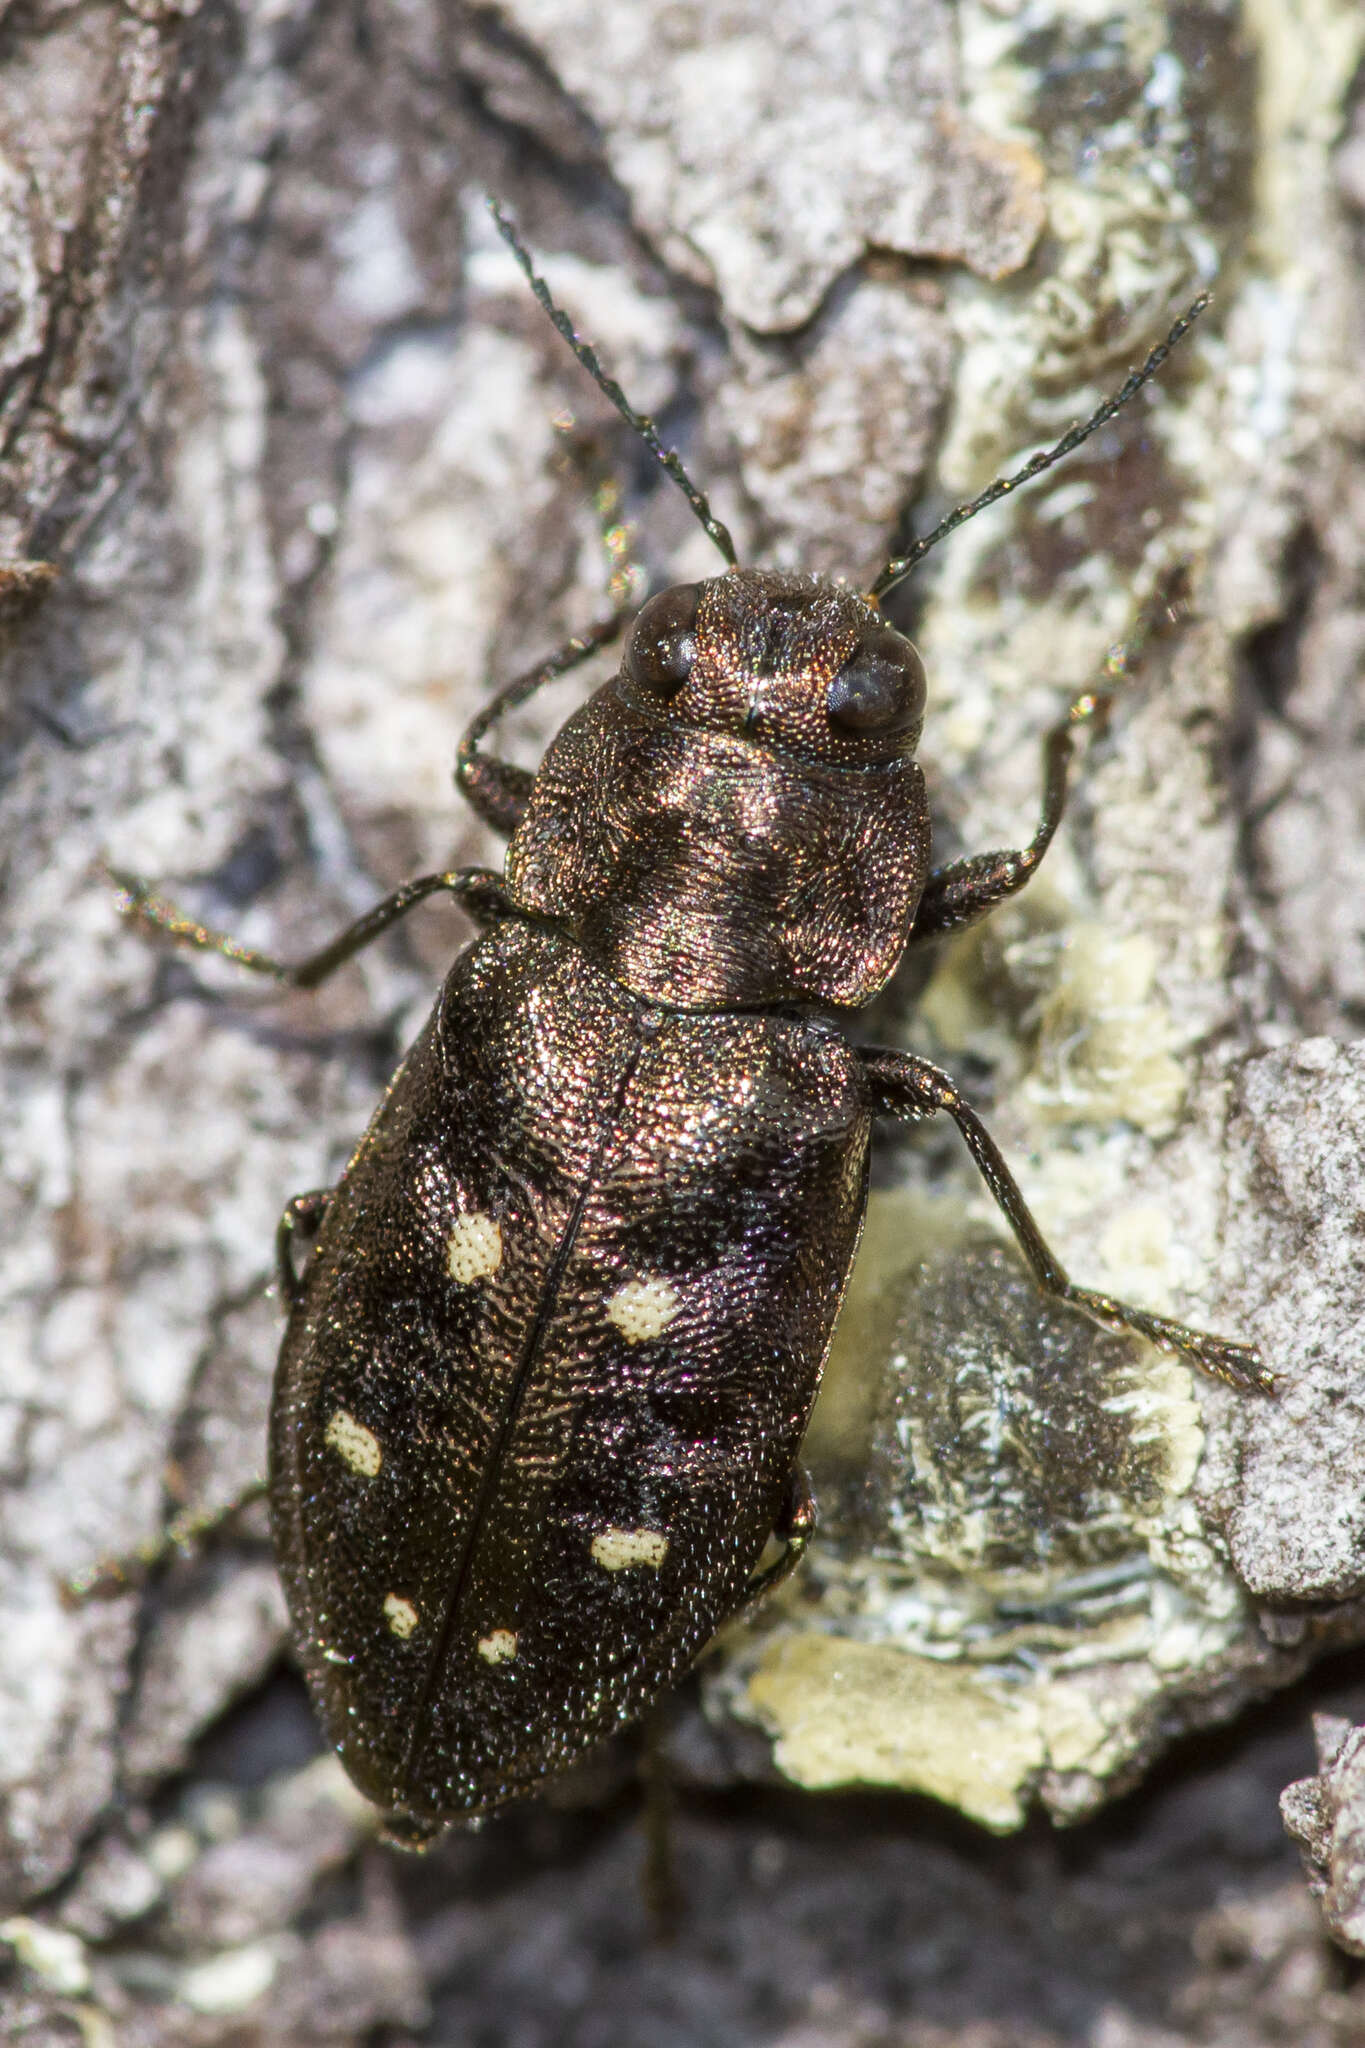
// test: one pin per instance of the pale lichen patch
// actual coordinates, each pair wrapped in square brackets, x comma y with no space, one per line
[355,1445]
[1163,1413]
[474,1247]
[53,1954]
[230,1982]
[847,1713]
[400,1614]
[1106,1040]
[643,1309]
[616,1550]
[499,1646]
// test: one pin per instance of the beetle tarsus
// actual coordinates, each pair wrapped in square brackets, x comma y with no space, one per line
[1241,1365]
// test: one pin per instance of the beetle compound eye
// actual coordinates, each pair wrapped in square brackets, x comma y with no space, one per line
[663,646]
[881,689]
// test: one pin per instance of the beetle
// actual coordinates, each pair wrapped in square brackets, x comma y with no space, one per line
[549,1360]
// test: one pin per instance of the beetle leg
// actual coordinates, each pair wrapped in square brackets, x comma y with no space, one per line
[185,1532]
[189,1528]
[302,1218]
[479,889]
[794,1527]
[959,893]
[410,1831]
[962,891]
[902,1085]
[499,790]
[662,1891]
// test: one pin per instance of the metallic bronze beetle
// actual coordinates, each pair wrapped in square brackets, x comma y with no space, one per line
[548,1367]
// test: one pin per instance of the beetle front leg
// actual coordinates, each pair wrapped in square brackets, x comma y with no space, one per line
[499,790]
[903,1086]
[964,890]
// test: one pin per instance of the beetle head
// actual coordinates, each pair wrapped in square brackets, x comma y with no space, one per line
[789,663]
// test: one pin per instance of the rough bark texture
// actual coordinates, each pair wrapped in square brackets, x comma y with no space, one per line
[281,492]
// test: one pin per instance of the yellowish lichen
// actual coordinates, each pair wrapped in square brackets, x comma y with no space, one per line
[903,1226]
[1106,1042]
[847,1713]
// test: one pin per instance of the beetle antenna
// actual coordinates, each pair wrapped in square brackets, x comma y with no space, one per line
[640,422]
[896,571]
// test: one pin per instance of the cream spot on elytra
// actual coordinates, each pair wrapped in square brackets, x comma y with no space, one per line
[498,1648]
[616,1550]
[355,1445]
[642,1309]
[400,1614]
[474,1248]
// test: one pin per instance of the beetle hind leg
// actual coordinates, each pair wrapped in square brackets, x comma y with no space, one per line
[185,1534]
[663,1892]
[794,1527]
[302,1219]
